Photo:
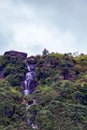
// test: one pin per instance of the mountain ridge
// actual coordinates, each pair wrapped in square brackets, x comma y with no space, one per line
[61,91]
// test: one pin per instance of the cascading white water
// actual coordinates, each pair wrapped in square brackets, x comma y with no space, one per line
[30,76]
[28,67]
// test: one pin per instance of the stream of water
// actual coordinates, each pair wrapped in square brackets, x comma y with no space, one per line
[29,87]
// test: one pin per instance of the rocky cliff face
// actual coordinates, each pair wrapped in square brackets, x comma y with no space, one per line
[31,60]
[16,53]
[1,73]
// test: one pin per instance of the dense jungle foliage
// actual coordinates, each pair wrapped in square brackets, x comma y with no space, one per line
[61,92]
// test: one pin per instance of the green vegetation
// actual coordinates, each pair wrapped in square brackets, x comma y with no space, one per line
[14,68]
[61,92]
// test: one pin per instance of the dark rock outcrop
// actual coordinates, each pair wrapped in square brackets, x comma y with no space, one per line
[32,87]
[31,60]
[1,73]
[16,53]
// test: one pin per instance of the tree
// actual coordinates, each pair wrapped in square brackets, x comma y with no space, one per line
[45,52]
[78,115]
[78,97]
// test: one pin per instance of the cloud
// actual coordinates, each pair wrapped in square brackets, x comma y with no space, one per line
[35,36]
[31,26]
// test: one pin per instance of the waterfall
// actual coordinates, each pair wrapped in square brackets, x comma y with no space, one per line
[29,87]
[29,78]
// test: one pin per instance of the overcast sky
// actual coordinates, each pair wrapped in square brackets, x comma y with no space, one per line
[32,25]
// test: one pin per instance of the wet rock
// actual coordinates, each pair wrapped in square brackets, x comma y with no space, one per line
[1,73]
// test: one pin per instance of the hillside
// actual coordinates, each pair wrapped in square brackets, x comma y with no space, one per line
[61,92]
